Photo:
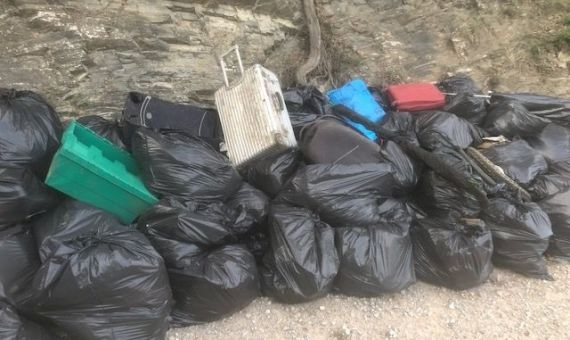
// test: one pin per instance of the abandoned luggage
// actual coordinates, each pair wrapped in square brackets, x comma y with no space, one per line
[415,97]
[356,96]
[157,114]
[253,114]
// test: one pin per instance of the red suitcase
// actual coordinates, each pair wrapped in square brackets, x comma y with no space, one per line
[415,97]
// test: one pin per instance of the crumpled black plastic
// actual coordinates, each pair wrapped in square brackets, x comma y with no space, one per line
[401,123]
[555,181]
[557,207]
[98,279]
[214,284]
[270,173]
[345,194]
[519,161]
[328,140]
[553,142]
[305,104]
[521,232]
[464,103]
[170,222]
[459,83]
[23,195]
[30,131]
[451,253]
[554,109]
[16,327]
[437,128]
[183,166]
[104,128]
[511,119]
[376,258]
[19,261]
[440,197]
[302,262]
[249,206]
[209,280]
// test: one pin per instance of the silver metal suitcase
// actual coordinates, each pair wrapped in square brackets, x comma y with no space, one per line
[253,114]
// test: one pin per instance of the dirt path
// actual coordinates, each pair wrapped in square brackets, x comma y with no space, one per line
[510,306]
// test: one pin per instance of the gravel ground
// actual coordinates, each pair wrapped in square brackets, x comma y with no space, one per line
[509,306]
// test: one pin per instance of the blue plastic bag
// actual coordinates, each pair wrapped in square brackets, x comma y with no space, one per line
[356,96]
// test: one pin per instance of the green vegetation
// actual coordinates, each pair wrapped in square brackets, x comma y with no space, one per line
[563,37]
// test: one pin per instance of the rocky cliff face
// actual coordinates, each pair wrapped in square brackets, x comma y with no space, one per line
[85,55]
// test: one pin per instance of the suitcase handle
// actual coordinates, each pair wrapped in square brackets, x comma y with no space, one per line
[234,49]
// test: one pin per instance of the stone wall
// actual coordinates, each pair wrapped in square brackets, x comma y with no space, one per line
[85,55]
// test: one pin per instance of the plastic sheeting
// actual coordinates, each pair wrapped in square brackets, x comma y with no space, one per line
[377,258]
[270,174]
[451,253]
[464,103]
[519,161]
[210,279]
[19,261]
[302,262]
[30,131]
[346,194]
[23,195]
[511,119]
[104,128]
[437,128]
[521,233]
[15,327]
[98,279]
[183,166]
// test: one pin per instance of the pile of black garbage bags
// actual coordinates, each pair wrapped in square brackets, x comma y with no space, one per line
[341,214]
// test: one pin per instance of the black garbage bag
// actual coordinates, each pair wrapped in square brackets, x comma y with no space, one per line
[98,279]
[459,83]
[302,262]
[511,119]
[249,207]
[557,207]
[376,259]
[554,109]
[451,253]
[23,195]
[553,142]
[270,174]
[19,261]
[183,166]
[468,106]
[305,104]
[15,327]
[402,124]
[437,128]
[256,240]
[464,102]
[212,284]
[30,130]
[345,194]
[555,181]
[104,128]
[209,280]
[441,197]
[520,236]
[328,140]
[170,222]
[519,161]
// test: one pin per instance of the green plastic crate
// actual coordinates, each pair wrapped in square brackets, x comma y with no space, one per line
[93,170]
